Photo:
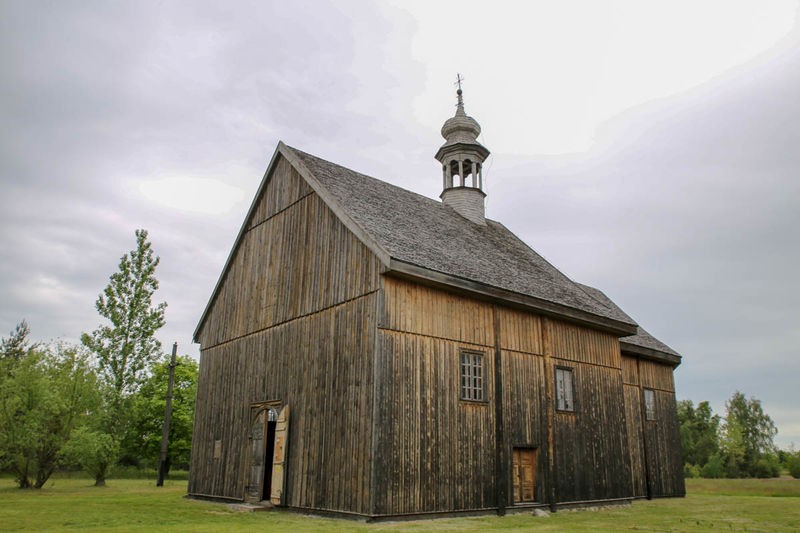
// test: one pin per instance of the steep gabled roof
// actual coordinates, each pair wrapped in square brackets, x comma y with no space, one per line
[417,237]
[642,343]
[416,230]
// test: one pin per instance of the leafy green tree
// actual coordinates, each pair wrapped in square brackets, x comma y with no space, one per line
[125,348]
[747,437]
[14,347]
[732,450]
[144,439]
[699,430]
[48,394]
[95,451]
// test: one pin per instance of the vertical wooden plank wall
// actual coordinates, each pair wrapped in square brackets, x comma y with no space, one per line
[660,443]
[524,402]
[590,445]
[436,452]
[633,421]
[590,455]
[297,260]
[294,321]
[433,451]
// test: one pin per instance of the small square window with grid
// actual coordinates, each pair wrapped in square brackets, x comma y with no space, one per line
[472,376]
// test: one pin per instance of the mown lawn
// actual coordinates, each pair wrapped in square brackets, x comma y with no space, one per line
[137,505]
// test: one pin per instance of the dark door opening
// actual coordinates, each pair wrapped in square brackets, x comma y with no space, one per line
[268,457]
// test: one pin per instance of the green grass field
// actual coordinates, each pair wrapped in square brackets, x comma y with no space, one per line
[137,505]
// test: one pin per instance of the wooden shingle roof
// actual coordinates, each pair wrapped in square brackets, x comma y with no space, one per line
[424,238]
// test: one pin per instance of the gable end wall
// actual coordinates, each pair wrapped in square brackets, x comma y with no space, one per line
[293,320]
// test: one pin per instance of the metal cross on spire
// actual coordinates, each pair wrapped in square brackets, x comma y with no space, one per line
[459,79]
[460,104]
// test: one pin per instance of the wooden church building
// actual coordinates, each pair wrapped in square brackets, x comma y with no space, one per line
[372,352]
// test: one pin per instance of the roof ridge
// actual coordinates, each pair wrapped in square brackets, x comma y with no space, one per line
[414,229]
[382,182]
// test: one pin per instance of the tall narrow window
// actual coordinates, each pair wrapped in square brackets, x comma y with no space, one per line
[564,397]
[472,376]
[649,404]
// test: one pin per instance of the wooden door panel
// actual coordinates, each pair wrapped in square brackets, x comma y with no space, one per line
[255,479]
[516,479]
[279,457]
[524,474]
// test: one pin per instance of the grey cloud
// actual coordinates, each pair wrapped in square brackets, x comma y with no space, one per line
[685,211]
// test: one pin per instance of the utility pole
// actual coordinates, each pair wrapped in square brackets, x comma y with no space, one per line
[167,414]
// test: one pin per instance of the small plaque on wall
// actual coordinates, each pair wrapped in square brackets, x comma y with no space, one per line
[217,449]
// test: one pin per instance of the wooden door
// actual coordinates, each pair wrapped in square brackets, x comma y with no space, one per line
[279,457]
[255,480]
[524,474]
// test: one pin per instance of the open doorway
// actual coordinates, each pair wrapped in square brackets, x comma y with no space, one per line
[261,450]
[272,422]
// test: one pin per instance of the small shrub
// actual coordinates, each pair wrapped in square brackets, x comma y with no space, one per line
[691,471]
[775,465]
[713,468]
[768,466]
[793,462]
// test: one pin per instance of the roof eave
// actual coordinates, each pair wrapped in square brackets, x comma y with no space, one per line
[649,353]
[440,279]
[460,146]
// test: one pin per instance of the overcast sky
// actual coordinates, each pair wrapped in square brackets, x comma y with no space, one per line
[650,149]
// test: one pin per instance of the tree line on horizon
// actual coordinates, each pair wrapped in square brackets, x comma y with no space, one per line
[100,403]
[741,444]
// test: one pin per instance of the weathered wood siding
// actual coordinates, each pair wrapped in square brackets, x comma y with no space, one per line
[525,410]
[412,308]
[633,418]
[664,454]
[295,258]
[433,451]
[580,344]
[654,443]
[589,447]
[294,321]
[436,452]
[591,457]
[656,376]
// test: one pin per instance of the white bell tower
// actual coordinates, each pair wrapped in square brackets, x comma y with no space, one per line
[462,158]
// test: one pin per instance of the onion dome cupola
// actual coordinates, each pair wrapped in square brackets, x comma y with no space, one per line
[462,158]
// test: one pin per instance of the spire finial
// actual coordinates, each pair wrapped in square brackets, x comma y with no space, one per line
[460,105]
